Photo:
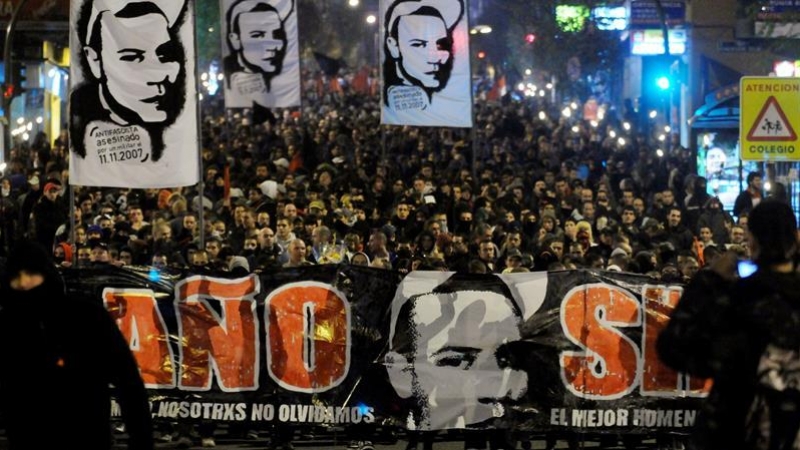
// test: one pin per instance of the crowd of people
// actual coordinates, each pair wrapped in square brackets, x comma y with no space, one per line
[528,189]
[327,184]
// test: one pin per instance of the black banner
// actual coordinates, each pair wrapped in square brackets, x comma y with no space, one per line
[345,345]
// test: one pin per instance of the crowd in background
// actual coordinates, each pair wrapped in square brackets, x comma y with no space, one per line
[527,189]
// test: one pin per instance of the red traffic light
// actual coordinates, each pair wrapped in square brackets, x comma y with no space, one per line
[481,55]
[8,92]
[530,38]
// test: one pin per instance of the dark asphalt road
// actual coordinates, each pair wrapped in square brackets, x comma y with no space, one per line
[442,441]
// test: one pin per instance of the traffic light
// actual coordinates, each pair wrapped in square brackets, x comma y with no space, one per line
[530,38]
[663,83]
[18,83]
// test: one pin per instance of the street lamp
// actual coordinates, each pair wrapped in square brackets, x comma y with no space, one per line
[353,3]
[480,29]
[371,19]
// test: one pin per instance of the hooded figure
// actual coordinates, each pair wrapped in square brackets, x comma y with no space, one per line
[743,332]
[59,356]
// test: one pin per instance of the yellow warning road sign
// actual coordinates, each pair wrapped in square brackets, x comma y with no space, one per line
[769,119]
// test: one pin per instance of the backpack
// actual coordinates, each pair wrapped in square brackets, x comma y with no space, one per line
[773,420]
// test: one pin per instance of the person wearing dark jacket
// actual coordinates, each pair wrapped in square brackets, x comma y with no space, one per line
[48,214]
[723,324]
[716,219]
[750,197]
[60,355]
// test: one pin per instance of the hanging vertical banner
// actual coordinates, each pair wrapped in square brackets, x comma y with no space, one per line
[133,120]
[426,69]
[261,62]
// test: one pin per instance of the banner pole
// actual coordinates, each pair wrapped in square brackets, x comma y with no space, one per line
[474,132]
[72,224]
[201,219]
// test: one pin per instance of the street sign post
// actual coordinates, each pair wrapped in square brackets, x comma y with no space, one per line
[769,119]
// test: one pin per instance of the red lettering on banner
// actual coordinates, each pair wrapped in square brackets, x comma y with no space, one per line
[657,379]
[137,315]
[223,340]
[590,316]
[308,336]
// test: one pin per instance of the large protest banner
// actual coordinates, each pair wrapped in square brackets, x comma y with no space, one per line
[320,345]
[260,52]
[133,104]
[426,73]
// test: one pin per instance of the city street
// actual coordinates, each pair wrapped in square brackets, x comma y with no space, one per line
[443,441]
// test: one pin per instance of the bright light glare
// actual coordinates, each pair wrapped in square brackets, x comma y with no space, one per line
[621,141]
[20,121]
[612,134]
[661,137]
[573,105]
[549,86]
[521,86]
[26,136]
[593,124]
[528,71]
[653,114]
[785,69]
[39,119]
[627,126]
[566,112]
[371,19]
[660,153]
[353,3]
[667,129]
[767,185]
[575,129]
[542,115]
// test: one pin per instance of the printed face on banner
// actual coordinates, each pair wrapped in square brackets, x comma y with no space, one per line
[141,45]
[261,41]
[423,51]
[450,356]
[130,94]
[425,63]
[261,64]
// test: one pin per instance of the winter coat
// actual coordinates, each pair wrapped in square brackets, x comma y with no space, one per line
[59,356]
[719,330]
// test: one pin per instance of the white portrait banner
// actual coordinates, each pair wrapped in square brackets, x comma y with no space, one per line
[260,53]
[426,68]
[133,104]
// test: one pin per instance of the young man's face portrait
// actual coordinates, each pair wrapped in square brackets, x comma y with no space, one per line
[261,41]
[459,371]
[423,50]
[138,66]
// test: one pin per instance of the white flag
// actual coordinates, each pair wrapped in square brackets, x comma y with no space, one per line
[426,70]
[260,56]
[133,108]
